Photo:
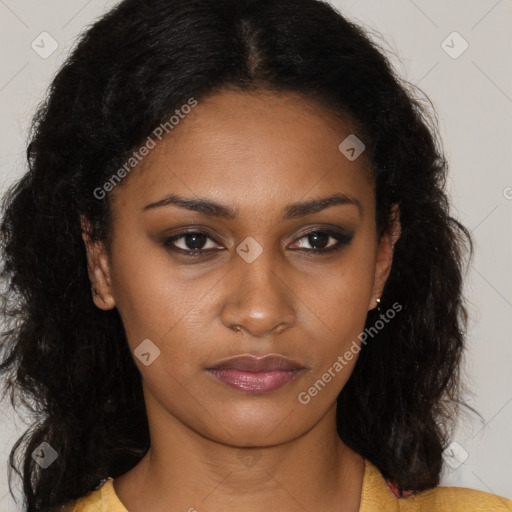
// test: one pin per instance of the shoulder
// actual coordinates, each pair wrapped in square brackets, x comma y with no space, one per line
[454,499]
[377,496]
[92,502]
[102,499]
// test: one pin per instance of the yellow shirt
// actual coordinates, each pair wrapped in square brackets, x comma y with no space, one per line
[376,497]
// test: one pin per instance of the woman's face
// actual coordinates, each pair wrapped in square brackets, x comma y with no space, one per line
[269,162]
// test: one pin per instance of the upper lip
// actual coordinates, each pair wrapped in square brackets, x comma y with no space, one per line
[250,363]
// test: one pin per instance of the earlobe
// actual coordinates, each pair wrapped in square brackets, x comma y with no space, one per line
[98,268]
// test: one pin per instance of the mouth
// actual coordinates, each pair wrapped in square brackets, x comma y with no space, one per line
[256,374]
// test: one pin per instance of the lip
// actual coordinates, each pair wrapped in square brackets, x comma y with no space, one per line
[256,374]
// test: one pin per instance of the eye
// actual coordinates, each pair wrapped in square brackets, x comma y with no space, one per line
[191,243]
[324,241]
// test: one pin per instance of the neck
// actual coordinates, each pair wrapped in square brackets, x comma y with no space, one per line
[184,470]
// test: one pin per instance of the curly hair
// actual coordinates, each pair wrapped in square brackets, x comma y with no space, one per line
[69,362]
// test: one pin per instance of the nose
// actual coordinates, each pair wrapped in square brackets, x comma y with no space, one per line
[260,300]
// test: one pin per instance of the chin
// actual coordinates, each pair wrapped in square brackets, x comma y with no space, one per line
[259,426]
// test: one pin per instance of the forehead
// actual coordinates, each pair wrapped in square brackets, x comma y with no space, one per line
[253,150]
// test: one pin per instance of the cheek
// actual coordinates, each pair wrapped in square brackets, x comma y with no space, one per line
[147,291]
[342,298]
[343,292]
[161,301]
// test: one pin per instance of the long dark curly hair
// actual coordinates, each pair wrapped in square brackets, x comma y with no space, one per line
[69,363]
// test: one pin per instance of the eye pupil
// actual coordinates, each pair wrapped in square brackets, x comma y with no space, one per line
[195,240]
[317,238]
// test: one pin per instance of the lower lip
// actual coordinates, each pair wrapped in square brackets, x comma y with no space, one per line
[254,382]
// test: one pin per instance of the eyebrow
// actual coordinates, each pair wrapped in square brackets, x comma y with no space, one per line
[291,211]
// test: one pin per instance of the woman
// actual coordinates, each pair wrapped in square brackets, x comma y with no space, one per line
[238,280]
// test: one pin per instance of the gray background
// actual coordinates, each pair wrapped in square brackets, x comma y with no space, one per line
[473,97]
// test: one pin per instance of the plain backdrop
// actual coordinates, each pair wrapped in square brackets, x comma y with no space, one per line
[467,75]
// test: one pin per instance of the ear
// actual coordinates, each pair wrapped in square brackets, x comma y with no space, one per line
[385,256]
[98,267]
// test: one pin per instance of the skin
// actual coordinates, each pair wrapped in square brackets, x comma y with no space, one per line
[213,447]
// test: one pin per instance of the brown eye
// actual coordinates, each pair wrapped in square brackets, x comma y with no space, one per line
[191,242]
[324,241]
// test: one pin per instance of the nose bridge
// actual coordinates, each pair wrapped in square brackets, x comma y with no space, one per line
[259,300]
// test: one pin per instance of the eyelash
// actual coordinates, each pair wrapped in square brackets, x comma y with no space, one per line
[342,240]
